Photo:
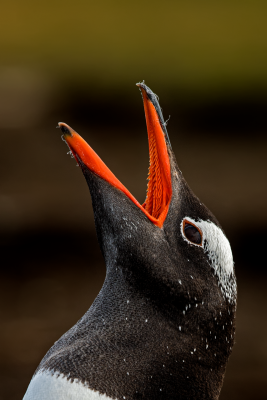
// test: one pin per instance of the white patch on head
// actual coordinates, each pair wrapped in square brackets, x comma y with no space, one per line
[54,386]
[218,249]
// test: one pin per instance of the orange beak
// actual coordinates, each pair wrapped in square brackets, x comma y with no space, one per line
[159,190]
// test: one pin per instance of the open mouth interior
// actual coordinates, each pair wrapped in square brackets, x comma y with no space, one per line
[158,193]
[159,188]
[159,181]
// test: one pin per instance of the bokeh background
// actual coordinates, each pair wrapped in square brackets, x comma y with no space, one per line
[78,62]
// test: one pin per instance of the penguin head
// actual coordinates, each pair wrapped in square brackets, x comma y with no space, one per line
[171,247]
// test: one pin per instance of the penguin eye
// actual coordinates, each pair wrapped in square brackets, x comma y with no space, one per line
[192,233]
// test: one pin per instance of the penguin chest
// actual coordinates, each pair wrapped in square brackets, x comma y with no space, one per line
[47,385]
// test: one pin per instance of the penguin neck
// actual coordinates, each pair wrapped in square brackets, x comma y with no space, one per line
[130,323]
[118,300]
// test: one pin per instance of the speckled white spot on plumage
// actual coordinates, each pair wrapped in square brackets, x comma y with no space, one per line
[218,249]
[53,386]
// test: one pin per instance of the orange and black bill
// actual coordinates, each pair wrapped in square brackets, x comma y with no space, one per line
[159,190]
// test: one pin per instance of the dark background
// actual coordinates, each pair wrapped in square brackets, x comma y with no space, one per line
[78,62]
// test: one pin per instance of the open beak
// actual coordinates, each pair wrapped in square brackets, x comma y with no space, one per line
[159,189]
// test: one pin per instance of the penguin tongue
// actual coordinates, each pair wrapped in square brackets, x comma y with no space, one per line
[159,188]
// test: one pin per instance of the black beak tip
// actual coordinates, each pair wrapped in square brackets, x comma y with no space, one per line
[64,129]
[151,96]
[155,101]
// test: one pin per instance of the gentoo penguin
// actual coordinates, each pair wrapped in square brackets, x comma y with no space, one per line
[162,326]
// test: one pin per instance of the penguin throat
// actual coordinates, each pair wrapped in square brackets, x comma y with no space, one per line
[158,193]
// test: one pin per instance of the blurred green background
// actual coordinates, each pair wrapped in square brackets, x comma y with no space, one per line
[78,62]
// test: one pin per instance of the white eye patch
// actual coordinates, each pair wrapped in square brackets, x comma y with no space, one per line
[218,249]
